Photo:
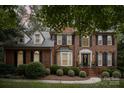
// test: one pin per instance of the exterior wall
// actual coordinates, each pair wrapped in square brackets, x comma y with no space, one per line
[9,57]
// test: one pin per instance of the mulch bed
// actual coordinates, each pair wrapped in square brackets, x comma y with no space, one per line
[65,78]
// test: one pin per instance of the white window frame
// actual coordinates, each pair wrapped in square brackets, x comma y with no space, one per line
[109,59]
[61,56]
[69,39]
[59,37]
[109,39]
[100,40]
[100,57]
[87,41]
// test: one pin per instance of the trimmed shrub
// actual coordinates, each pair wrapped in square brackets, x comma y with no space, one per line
[105,74]
[21,69]
[47,72]
[76,70]
[71,73]
[65,70]
[54,68]
[7,69]
[34,70]
[116,74]
[59,72]
[82,74]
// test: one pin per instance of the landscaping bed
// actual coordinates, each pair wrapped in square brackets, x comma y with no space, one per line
[64,78]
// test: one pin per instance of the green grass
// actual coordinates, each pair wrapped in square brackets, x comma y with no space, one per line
[19,84]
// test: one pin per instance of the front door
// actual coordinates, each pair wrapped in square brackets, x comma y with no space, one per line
[85,59]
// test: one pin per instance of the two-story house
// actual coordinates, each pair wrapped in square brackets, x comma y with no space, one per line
[64,49]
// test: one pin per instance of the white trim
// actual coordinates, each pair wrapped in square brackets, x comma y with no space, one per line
[85,51]
[59,37]
[69,38]
[109,38]
[68,58]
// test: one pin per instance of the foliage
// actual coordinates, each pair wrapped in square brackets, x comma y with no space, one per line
[7,69]
[76,70]
[47,71]
[34,70]
[105,74]
[110,70]
[65,70]
[85,19]
[54,68]
[59,72]
[71,73]
[82,74]
[21,69]
[116,74]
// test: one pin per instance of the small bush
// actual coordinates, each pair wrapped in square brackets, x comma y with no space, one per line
[47,71]
[21,69]
[34,70]
[76,70]
[65,70]
[54,68]
[105,74]
[59,72]
[7,69]
[71,73]
[116,74]
[82,74]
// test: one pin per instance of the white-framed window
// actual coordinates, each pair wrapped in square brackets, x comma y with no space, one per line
[66,58]
[36,56]
[109,62]
[100,40]
[69,39]
[37,38]
[59,39]
[85,41]
[100,59]
[109,40]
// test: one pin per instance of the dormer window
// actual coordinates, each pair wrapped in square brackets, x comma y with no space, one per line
[37,38]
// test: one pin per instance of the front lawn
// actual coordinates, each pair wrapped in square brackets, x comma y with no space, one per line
[32,84]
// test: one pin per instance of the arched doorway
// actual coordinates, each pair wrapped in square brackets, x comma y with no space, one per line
[85,57]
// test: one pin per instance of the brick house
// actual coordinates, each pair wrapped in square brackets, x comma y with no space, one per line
[65,49]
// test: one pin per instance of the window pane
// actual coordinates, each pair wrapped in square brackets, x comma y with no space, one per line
[69,40]
[59,40]
[85,41]
[64,58]
[99,59]
[109,40]
[109,59]
[100,40]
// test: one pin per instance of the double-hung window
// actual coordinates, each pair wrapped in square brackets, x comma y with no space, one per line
[109,63]
[69,39]
[37,38]
[85,41]
[59,39]
[109,40]
[100,40]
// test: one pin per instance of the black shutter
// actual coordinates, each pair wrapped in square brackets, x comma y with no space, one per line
[104,59]
[24,57]
[113,40]
[73,39]
[64,39]
[80,40]
[96,58]
[90,41]
[113,59]
[96,39]
[41,56]
[104,39]
[15,57]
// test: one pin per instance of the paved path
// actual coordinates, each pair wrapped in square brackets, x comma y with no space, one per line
[89,81]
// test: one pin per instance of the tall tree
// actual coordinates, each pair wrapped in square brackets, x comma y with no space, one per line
[85,19]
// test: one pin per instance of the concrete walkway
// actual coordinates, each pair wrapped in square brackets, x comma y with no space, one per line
[89,81]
